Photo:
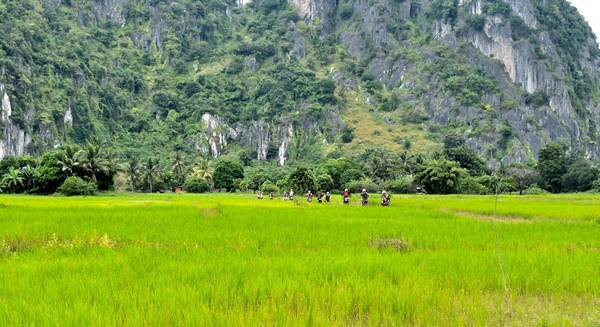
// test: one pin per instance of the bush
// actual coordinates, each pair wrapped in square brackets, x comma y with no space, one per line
[533,190]
[227,174]
[196,185]
[472,185]
[347,135]
[77,186]
[269,187]
[358,186]
[325,182]
[402,185]
[440,176]
[302,180]
[476,22]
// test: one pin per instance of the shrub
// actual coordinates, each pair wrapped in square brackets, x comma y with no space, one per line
[476,22]
[196,185]
[348,135]
[302,180]
[358,186]
[77,186]
[534,189]
[351,175]
[325,182]
[402,185]
[226,175]
[269,187]
[440,176]
[580,176]
[472,185]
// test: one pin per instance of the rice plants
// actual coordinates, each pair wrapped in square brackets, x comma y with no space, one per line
[233,260]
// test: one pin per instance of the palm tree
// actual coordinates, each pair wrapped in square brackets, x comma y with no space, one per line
[11,180]
[152,171]
[133,171]
[202,170]
[68,159]
[93,161]
[29,176]
[178,167]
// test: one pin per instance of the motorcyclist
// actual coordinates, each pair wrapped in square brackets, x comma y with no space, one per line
[346,196]
[309,196]
[327,197]
[320,196]
[385,199]
[364,195]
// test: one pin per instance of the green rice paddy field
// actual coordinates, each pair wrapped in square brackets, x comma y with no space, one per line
[228,260]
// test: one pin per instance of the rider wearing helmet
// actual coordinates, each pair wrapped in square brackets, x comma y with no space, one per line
[385,199]
[364,195]
[309,196]
[346,196]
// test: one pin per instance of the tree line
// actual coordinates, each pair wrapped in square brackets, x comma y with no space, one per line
[85,170]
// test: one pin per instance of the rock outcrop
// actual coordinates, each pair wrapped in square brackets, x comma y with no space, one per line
[14,140]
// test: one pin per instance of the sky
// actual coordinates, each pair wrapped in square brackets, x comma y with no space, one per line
[590,9]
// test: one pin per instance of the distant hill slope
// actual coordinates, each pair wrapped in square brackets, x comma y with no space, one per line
[294,81]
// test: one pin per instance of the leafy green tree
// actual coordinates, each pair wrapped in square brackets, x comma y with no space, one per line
[524,177]
[227,173]
[202,170]
[151,173]
[134,173]
[30,178]
[440,176]
[350,175]
[302,180]
[11,181]
[382,165]
[257,178]
[196,185]
[269,187]
[93,161]
[467,159]
[580,176]
[69,159]
[49,173]
[336,168]
[178,168]
[402,185]
[552,165]
[325,182]
[358,185]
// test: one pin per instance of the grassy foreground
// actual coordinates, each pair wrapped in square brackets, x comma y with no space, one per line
[232,260]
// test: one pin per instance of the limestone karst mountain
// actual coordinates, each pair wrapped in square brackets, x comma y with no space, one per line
[295,81]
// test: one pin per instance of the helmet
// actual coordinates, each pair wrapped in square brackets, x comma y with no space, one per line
[346,190]
[364,189]
[383,192]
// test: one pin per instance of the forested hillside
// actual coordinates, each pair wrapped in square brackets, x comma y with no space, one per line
[281,82]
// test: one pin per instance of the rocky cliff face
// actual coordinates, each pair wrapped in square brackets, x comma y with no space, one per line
[521,66]
[413,66]
[14,140]
[543,72]
[270,140]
